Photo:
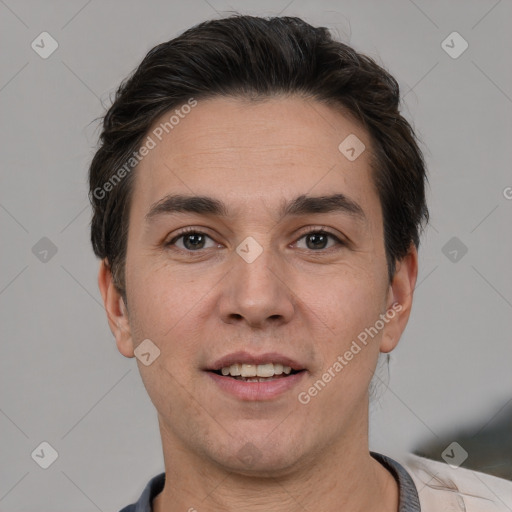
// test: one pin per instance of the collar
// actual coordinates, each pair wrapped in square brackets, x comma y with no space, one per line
[409,500]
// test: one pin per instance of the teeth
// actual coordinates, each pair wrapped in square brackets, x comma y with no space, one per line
[255,379]
[234,369]
[248,370]
[265,370]
[253,370]
[278,369]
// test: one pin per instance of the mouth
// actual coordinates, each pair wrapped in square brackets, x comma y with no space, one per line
[256,372]
[256,377]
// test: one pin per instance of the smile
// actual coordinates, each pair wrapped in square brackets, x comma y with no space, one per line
[255,372]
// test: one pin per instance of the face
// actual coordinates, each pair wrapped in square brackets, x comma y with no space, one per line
[266,272]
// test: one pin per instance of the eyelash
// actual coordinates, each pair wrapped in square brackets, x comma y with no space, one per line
[312,230]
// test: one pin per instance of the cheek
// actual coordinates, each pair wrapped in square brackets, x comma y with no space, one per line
[347,300]
[349,355]
[161,297]
[162,310]
[169,306]
[349,305]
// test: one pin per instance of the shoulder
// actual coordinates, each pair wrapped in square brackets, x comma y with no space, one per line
[152,489]
[442,487]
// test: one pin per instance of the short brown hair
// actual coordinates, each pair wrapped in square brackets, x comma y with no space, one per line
[253,57]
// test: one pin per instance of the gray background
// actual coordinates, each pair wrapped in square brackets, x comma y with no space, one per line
[62,379]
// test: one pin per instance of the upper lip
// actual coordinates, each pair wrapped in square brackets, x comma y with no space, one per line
[247,358]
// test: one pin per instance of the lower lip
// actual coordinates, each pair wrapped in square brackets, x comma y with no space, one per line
[253,391]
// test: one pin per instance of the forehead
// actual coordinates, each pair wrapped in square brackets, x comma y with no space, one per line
[247,152]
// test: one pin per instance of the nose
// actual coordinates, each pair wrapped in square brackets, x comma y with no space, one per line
[255,291]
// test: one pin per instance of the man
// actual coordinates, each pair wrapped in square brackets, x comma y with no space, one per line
[258,201]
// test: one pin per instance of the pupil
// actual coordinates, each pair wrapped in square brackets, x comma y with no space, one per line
[193,236]
[316,239]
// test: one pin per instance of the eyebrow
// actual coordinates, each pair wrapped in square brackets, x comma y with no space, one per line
[301,205]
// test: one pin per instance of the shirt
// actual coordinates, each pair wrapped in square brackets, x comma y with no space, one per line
[425,486]
[448,488]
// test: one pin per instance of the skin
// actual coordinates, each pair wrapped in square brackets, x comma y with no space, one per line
[305,301]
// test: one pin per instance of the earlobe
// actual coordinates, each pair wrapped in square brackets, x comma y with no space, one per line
[116,310]
[400,298]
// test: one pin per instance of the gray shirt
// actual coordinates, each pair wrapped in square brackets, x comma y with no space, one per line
[409,501]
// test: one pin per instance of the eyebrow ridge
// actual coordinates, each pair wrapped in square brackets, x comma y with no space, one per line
[305,205]
[301,205]
[176,203]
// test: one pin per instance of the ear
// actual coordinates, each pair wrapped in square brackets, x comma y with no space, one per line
[116,310]
[400,297]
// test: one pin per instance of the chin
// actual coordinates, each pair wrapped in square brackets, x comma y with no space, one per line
[260,458]
[267,466]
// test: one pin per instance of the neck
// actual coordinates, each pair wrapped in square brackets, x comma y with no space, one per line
[343,477]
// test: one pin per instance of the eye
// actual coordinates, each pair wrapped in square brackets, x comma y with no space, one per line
[316,239]
[192,240]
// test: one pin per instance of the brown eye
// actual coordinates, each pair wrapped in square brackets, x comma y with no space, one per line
[191,241]
[318,240]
